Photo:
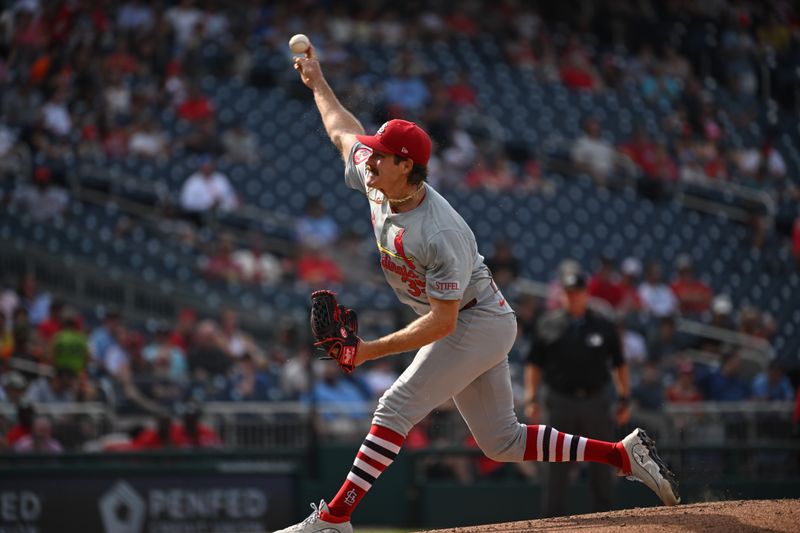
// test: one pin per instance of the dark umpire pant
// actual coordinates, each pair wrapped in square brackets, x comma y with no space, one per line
[587,414]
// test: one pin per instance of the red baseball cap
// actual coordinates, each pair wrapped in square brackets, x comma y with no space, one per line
[400,137]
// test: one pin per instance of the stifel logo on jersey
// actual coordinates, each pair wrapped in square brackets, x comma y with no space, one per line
[446,285]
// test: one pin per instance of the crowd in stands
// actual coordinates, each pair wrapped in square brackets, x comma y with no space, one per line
[158,368]
[94,81]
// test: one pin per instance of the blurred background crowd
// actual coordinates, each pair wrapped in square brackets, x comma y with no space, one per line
[168,144]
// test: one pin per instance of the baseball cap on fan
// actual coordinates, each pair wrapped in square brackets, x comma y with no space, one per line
[400,137]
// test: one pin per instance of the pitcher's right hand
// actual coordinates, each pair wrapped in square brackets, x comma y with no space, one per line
[308,67]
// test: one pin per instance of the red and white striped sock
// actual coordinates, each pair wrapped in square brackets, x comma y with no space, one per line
[545,443]
[377,452]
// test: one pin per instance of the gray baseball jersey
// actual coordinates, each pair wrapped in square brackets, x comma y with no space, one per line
[428,251]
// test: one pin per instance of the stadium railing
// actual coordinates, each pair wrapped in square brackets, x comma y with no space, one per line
[277,425]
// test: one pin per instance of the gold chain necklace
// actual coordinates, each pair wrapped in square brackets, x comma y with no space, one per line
[372,194]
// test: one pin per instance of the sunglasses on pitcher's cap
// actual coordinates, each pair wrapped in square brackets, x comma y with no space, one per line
[402,138]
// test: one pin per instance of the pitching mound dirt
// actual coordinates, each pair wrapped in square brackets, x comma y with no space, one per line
[743,516]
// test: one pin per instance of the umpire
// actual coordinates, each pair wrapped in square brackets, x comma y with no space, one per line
[574,351]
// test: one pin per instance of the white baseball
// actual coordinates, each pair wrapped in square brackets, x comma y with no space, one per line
[299,44]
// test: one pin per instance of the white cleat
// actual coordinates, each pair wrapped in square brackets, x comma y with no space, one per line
[647,467]
[315,524]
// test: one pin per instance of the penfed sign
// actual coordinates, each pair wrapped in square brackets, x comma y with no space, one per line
[150,503]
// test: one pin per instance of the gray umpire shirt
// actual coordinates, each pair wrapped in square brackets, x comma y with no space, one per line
[428,251]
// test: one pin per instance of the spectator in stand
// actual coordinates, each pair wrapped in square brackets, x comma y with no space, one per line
[634,347]
[380,376]
[166,357]
[339,401]
[660,184]
[135,16]
[663,341]
[555,291]
[61,387]
[772,385]
[316,228]
[648,400]
[164,435]
[24,424]
[41,200]
[241,145]
[405,92]
[726,384]
[27,297]
[722,312]
[642,151]
[181,337]
[296,373]
[189,433]
[255,264]
[659,89]
[12,387]
[118,96]
[461,92]
[763,164]
[458,154]
[193,433]
[628,286]
[238,342]
[207,190]
[208,357]
[196,107]
[684,389]
[751,322]
[694,296]
[56,117]
[183,19]
[69,349]
[504,266]
[317,268]
[158,380]
[492,173]
[796,242]
[594,155]
[121,62]
[27,347]
[113,138]
[248,383]
[533,180]
[53,323]
[203,139]
[221,265]
[577,71]
[658,299]
[6,337]
[604,284]
[100,339]
[118,360]
[148,141]
[40,439]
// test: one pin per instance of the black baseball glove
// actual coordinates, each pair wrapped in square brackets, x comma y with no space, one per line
[335,328]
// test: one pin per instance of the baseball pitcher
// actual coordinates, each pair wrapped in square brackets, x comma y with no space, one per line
[464,331]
